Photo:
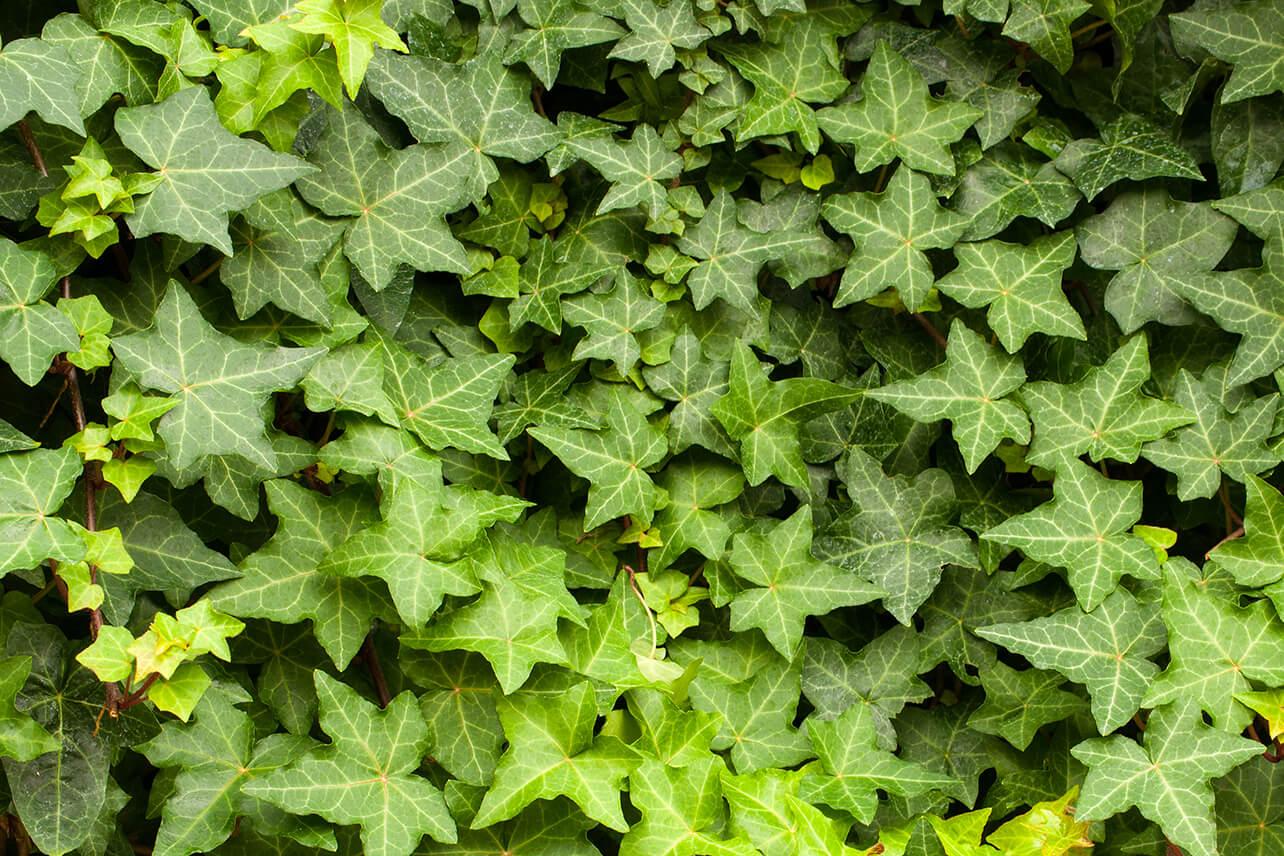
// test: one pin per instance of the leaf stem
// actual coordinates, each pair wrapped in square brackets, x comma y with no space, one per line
[1088,28]
[650,616]
[29,140]
[926,323]
[208,272]
[370,656]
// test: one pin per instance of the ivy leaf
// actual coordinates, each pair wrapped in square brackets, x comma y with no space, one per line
[1247,302]
[1180,800]
[694,384]
[1020,702]
[898,118]
[32,332]
[539,398]
[654,30]
[968,389]
[854,767]
[107,64]
[39,76]
[1130,147]
[282,581]
[553,752]
[545,276]
[21,737]
[1152,241]
[757,717]
[394,199]
[790,584]
[612,320]
[635,169]
[1106,649]
[354,27]
[219,382]
[1011,182]
[1021,285]
[33,486]
[228,18]
[682,811]
[697,484]
[1045,26]
[553,26]
[1247,36]
[1084,529]
[891,230]
[205,172]
[897,533]
[614,460]
[278,245]
[798,69]
[1216,648]
[1255,559]
[1104,414]
[479,104]
[1218,441]
[365,776]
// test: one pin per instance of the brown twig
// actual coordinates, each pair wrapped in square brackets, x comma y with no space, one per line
[208,272]
[371,658]
[1230,536]
[926,323]
[28,140]
[54,404]
[1088,28]
[1232,516]
[537,100]
[1139,722]
[881,182]
[329,429]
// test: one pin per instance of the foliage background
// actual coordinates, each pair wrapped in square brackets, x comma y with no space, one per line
[702,427]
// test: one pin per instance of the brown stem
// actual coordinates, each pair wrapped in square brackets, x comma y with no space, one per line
[208,272]
[54,404]
[139,694]
[371,658]
[329,429]
[537,100]
[926,323]
[28,140]
[526,466]
[1139,722]
[1230,536]
[1088,28]
[881,183]
[1232,516]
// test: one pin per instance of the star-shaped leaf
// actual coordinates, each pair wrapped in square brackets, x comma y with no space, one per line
[1166,777]
[638,169]
[281,580]
[1045,26]
[539,398]
[757,717]
[278,244]
[1107,650]
[614,460]
[764,416]
[968,389]
[891,230]
[1218,442]
[1248,302]
[1130,147]
[1103,414]
[354,27]
[897,532]
[697,484]
[898,118]
[32,332]
[553,26]
[693,383]
[1084,529]
[219,382]
[682,811]
[1152,241]
[789,584]
[553,752]
[366,775]
[545,276]
[1010,182]
[395,199]
[1021,285]
[612,321]
[513,624]
[1216,647]
[1248,36]
[1257,559]
[21,737]
[37,75]
[205,171]
[801,67]
[1020,702]
[854,766]
[1248,808]
[107,64]
[479,103]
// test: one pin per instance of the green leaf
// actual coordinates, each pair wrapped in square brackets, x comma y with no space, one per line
[612,321]
[764,416]
[682,811]
[1254,559]
[654,30]
[1153,242]
[1021,285]
[1084,529]
[39,76]
[1130,147]
[553,26]
[219,383]
[205,172]
[366,776]
[33,486]
[790,584]
[1216,648]
[1180,799]
[354,27]
[553,752]
[891,230]
[1249,36]
[1045,26]
[21,737]
[968,389]
[31,331]
[1011,182]
[757,717]
[897,532]
[1019,703]
[1246,302]
[898,118]
[1103,414]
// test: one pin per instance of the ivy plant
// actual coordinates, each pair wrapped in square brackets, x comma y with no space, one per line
[641,427]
